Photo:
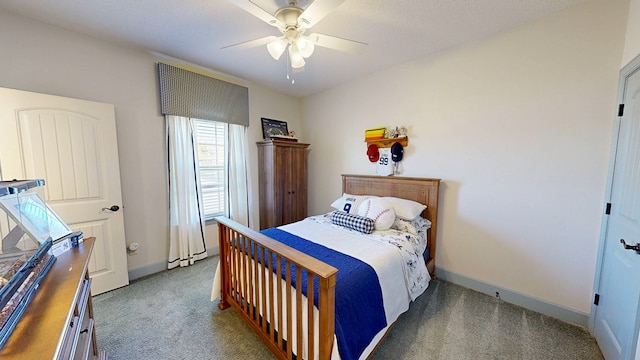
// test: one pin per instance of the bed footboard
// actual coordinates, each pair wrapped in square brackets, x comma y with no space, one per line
[261,292]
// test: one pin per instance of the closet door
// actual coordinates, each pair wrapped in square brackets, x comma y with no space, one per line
[617,311]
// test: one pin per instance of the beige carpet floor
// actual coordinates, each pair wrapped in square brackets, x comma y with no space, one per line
[169,316]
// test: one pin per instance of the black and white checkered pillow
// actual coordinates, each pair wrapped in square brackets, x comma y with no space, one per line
[355,222]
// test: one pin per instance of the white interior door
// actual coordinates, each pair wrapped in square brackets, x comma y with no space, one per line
[616,316]
[71,144]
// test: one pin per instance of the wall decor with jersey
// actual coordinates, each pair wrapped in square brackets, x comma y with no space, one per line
[385,148]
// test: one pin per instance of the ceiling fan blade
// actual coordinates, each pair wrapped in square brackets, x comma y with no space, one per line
[252,43]
[336,43]
[258,12]
[317,10]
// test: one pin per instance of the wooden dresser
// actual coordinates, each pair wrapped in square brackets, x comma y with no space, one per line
[282,168]
[58,323]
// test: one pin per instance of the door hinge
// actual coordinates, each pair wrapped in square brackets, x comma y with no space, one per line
[596,299]
[607,211]
[621,110]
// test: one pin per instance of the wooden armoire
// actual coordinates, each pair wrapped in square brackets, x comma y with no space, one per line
[282,169]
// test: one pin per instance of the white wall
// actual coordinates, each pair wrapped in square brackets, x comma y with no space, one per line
[518,126]
[632,38]
[41,58]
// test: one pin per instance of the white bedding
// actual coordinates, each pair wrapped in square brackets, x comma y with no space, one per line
[389,253]
[409,237]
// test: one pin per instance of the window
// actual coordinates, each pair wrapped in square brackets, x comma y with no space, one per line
[210,143]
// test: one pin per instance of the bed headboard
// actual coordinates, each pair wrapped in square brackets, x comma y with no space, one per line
[422,190]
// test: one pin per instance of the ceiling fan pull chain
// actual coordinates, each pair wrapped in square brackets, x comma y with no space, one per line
[289,72]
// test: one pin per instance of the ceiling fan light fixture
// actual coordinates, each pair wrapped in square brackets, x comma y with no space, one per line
[276,48]
[293,21]
[297,60]
[305,46]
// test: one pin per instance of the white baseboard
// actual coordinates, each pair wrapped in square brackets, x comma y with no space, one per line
[158,267]
[147,270]
[538,305]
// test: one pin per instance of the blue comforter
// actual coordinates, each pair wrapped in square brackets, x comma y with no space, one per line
[359,308]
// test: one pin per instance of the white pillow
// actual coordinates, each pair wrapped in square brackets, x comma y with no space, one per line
[405,209]
[380,211]
[349,203]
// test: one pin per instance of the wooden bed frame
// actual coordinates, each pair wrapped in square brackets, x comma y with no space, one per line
[258,298]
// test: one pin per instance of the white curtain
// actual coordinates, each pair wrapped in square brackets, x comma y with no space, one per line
[238,188]
[238,175]
[186,232]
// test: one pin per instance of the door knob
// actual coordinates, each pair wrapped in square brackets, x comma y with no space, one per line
[635,247]
[114,208]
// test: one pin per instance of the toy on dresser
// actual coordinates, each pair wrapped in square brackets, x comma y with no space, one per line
[31,235]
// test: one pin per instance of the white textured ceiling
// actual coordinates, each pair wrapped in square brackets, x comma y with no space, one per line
[195,30]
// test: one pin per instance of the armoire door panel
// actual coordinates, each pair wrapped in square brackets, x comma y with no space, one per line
[283,182]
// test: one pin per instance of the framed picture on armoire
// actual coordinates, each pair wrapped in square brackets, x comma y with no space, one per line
[271,128]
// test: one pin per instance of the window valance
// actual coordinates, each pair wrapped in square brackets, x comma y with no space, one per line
[188,94]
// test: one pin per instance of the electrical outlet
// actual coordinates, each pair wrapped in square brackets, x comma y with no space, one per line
[498,295]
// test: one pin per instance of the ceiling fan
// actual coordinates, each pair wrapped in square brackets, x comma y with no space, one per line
[293,21]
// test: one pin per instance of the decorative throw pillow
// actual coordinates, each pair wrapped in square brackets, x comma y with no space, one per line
[405,209]
[349,203]
[380,211]
[354,222]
